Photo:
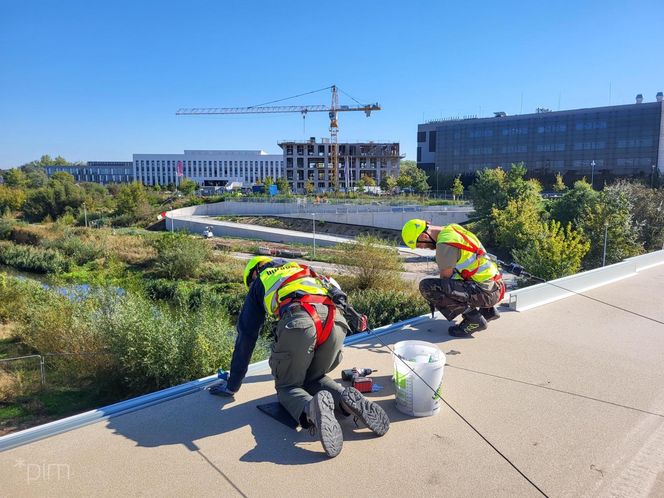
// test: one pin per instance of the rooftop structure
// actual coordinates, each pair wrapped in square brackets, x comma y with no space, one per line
[564,399]
[623,140]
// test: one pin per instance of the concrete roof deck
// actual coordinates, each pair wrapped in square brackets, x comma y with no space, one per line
[571,393]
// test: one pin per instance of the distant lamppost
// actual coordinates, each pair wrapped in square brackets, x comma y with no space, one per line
[606,228]
[652,175]
[592,174]
[313,215]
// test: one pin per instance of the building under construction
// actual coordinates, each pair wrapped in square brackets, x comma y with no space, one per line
[311,161]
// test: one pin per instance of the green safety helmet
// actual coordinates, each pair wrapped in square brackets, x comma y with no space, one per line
[411,232]
[251,266]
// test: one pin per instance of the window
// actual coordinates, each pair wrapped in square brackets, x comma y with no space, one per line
[589,145]
[550,147]
[591,125]
[432,141]
[552,128]
[521,130]
[421,136]
[634,142]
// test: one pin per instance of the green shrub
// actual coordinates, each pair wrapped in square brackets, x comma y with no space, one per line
[383,307]
[157,347]
[372,264]
[6,227]
[78,250]
[180,255]
[32,259]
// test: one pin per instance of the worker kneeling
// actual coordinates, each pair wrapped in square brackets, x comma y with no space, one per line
[470,283]
[308,342]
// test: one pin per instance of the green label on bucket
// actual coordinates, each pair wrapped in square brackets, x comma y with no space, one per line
[439,392]
[400,380]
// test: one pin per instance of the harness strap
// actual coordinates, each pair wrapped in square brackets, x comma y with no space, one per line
[307,301]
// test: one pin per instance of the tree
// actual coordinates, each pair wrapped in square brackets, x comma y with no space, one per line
[369,181]
[187,186]
[388,184]
[60,195]
[410,176]
[131,199]
[11,199]
[268,181]
[60,161]
[309,187]
[576,201]
[554,252]
[282,185]
[647,212]
[516,225]
[611,213]
[559,185]
[457,188]
[15,178]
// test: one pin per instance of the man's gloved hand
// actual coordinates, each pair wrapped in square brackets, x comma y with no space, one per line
[356,321]
[221,389]
[514,269]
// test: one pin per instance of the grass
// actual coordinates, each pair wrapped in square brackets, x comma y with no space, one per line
[10,345]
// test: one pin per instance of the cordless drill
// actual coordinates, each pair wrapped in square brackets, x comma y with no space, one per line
[358,378]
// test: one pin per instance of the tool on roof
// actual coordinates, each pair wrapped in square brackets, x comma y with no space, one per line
[359,379]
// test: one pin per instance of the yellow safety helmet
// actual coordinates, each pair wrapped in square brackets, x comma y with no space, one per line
[411,232]
[251,265]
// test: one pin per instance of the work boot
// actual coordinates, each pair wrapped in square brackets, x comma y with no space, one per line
[372,415]
[490,313]
[473,321]
[320,413]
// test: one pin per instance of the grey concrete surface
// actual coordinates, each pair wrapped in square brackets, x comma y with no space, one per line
[377,215]
[571,393]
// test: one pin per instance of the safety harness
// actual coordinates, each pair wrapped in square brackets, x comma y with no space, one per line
[307,301]
[477,251]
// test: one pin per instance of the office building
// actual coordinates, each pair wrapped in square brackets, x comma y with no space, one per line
[622,140]
[208,167]
[103,172]
[310,161]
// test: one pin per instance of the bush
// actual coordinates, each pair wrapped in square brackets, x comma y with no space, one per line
[6,229]
[157,348]
[32,259]
[372,264]
[78,250]
[179,255]
[383,307]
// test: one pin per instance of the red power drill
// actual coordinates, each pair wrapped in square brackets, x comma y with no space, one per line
[358,378]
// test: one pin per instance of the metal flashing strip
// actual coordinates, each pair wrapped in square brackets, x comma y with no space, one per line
[123,407]
[545,293]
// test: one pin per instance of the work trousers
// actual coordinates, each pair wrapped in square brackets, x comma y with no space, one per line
[298,367]
[452,297]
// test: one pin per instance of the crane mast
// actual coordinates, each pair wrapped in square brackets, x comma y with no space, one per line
[332,111]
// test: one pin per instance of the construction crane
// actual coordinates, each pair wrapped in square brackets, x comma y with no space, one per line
[333,109]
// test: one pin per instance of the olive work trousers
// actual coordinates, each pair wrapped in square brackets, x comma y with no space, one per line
[452,297]
[299,369]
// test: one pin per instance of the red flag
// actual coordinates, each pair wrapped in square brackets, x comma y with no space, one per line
[161,216]
[180,169]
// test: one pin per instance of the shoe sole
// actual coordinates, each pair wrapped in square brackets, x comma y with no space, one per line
[327,425]
[372,415]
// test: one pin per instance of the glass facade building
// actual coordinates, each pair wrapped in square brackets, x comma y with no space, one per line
[97,171]
[621,140]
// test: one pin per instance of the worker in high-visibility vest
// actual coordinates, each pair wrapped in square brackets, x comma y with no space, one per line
[308,341]
[470,283]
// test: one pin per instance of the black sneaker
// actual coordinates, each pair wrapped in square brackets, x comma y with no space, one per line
[372,415]
[320,412]
[490,314]
[472,322]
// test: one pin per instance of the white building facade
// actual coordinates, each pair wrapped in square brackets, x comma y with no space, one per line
[208,167]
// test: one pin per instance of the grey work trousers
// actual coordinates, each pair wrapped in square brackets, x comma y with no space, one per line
[298,368]
[452,296]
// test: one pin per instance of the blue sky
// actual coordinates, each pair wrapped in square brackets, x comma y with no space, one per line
[100,81]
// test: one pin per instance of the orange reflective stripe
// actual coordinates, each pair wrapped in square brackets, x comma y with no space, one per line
[472,246]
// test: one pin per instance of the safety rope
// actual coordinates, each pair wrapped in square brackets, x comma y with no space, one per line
[437,395]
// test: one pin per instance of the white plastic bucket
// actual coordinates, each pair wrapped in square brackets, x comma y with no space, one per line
[413,396]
